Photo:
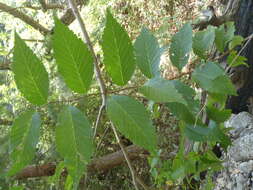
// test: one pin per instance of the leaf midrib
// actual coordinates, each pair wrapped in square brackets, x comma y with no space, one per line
[30,72]
[136,124]
[73,59]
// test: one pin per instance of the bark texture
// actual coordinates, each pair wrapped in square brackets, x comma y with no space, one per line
[242,76]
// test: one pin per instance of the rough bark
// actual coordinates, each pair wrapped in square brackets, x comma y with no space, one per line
[100,164]
[242,12]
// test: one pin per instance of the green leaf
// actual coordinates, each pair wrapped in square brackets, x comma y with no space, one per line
[235,60]
[209,161]
[188,94]
[214,98]
[161,90]
[181,112]
[184,165]
[74,60]
[132,120]
[148,53]
[118,51]
[202,42]
[222,85]
[17,188]
[217,115]
[68,183]
[223,35]
[212,78]
[55,179]
[203,134]
[236,41]
[181,46]
[24,137]
[30,75]
[74,141]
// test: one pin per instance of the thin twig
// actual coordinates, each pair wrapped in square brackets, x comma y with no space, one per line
[125,155]
[33,40]
[48,6]
[239,53]
[96,63]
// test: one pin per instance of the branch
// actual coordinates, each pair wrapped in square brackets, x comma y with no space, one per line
[5,122]
[28,20]
[69,17]
[48,6]
[96,62]
[134,177]
[104,163]
[43,4]
[5,65]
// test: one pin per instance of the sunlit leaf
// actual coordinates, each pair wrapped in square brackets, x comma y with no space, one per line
[24,137]
[118,51]
[30,75]
[74,60]
[73,141]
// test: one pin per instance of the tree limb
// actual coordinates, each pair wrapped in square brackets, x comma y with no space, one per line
[69,17]
[5,122]
[103,163]
[28,20]
[48,6]
[5,64]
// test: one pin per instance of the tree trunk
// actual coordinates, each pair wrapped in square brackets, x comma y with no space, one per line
[241,11]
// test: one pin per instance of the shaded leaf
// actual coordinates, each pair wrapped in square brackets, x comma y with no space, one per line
[30,74]
[202,41]
[132,120]
[184,165]
[148,53]
[209,161]
[223,35]
[24,137]
[217,115]
[181,112]
[73,141]
[188,94]
[237,40]
[118,51]
[74,60]
[181,45]
[161,90]
[212,78]
[235,60]
[222,85]
[202,133]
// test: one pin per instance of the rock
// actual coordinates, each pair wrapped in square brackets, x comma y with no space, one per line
[238,166]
